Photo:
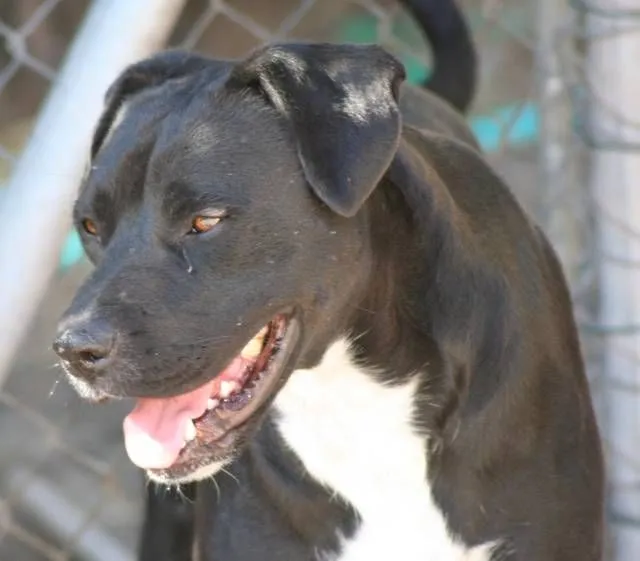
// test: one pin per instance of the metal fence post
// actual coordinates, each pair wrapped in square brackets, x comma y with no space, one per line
[557,201]
[614,79]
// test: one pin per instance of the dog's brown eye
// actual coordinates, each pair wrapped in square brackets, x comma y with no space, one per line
[89,226]
[202,224]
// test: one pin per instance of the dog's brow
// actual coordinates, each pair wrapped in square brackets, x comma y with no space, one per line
[96,202]
[180,200]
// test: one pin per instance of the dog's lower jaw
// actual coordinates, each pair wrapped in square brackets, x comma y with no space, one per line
[157,432]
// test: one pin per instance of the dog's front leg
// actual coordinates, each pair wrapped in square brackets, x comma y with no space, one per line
[168,526]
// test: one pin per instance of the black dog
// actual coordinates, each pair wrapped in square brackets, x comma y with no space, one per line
[309,278]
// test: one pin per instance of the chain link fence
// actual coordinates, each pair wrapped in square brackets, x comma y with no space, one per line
[67,490]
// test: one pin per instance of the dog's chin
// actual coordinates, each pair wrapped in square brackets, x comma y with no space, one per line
[234,409]
[189,475]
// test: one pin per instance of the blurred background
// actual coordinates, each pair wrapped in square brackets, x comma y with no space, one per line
[557,112]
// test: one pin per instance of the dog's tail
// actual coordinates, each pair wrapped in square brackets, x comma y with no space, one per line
[455,62]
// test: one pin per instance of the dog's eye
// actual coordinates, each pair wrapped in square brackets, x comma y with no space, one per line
[205,223]
[89,226]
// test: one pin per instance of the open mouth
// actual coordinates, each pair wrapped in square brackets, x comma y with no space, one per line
[167,433]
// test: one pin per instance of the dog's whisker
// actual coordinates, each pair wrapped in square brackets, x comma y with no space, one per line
[54,387]
[217,486]
[182,495]
[363,309]
[226,471]
[355,338]
[202,341]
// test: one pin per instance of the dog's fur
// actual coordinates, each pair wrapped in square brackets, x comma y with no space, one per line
[436,407]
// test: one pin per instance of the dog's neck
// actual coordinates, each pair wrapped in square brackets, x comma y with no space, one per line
[379,399]
[393,326]
[429,293]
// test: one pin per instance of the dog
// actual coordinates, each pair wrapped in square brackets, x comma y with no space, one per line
[319,292]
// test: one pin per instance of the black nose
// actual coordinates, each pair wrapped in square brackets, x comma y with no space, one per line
[86,345]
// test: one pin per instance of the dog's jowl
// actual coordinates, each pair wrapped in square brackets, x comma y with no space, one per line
[344,337]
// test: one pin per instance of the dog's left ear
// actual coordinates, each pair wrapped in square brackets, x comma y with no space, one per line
[342,104]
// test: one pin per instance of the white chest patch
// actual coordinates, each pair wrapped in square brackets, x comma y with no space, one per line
[355,436]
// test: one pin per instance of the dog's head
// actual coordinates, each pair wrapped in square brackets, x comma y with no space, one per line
[224,211]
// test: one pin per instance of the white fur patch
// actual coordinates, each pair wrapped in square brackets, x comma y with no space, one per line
[360,104]
[356,437]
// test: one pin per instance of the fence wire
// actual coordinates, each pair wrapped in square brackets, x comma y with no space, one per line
[67,490]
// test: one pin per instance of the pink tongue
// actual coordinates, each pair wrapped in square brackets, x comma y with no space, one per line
[154,432]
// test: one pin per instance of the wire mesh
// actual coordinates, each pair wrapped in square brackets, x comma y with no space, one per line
[67,490]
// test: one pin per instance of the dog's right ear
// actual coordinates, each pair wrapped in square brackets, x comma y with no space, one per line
[147,73]
[341,103]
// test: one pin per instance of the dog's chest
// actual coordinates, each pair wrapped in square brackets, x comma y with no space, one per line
[355,436]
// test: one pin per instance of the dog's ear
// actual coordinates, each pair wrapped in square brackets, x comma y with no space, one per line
[142,75]
[341,103]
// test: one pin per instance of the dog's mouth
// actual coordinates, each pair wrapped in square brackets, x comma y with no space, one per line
[168,434]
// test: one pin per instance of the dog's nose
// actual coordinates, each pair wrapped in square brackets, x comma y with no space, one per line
[87,346]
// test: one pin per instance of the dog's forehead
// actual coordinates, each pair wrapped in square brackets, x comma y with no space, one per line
[230,146]
[119,166]
[227,142]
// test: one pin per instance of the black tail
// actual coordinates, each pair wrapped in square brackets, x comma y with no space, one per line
[454,55]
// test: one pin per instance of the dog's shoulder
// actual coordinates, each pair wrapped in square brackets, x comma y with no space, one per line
[450,166]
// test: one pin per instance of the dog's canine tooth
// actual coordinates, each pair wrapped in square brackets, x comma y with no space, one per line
[190,431]
[212,404]
[253,348]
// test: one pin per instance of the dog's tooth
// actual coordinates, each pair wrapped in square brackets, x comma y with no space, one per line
[212,404]
[227,388]
[252,349]
[190,431]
